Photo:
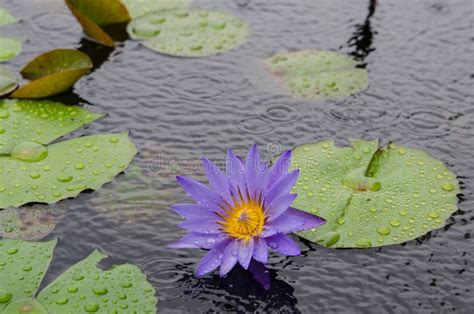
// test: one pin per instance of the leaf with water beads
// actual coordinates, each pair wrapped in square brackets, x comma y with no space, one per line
[93,14]
[84,288]
[8,82]
[26,223]
[372,196]
[9,48]
[318,74]
[6,17]
[189,33]
[38,121]
[138,8]
[53,72]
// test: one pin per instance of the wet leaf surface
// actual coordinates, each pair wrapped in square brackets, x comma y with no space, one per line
[189,33]
[372,196]
[53,72]
[318,74]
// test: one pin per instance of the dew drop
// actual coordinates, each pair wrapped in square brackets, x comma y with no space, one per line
[30,152]
[383,230]
[447,187]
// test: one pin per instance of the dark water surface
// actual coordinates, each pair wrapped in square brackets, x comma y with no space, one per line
[420,59]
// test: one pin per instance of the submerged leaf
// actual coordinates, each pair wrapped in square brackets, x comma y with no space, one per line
[9,48]
[138,8]
[53,72]
[372,196]
[93,14]
[318,74]
[8,81]
[81,289]
[38,121]
[189,33]
[32,223]
[6,17]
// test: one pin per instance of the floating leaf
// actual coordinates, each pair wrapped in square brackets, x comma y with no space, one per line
[93,14]
[81,289]
[32,223]
[138,8]
[189,33]
[8,81]
[53,72]
[39,121]
[318,74]
[9,48]
[6,17]
[372,196]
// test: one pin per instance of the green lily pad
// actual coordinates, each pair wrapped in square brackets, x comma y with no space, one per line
[318,74]
[8,81]
[53,72]
[30,224]
[39,121]
[9,48]
[189,33]
[84,288]
[138,8]
[6,17]
[93,14]
[372,196]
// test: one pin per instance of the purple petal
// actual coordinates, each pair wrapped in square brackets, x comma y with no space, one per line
[229,259]
[279,205]
[200,193]
[260,273]
[293,220]
[198,240]
[283,244]
[217,179]
[283,186]
[245,253]
[260,251]
[235,169]
[212,259]
[279,168]
[252,167]
[200,225]
[193,211]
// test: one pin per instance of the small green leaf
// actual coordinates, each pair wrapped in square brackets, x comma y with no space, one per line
[189,33]
[8,81]
[138,8]
[93,14]
[39,121]
[9,48]
[32,223]
[372,196]
[69,168]
[22,268]
[6,17]
[53,72]
[318,74]
[84,288]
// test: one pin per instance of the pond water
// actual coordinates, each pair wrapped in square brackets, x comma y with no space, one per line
[419,55]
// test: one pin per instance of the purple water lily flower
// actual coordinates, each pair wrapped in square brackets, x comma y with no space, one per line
[242,213]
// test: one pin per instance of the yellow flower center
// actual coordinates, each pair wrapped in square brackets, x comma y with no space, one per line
[244,218]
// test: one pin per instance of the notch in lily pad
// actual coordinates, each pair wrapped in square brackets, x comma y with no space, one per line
[34,169]
[10,48]
[189,33]
[8,82]
[6,17]
[83,288]
[93,15]
[26,223]
[370,195]
[318,74]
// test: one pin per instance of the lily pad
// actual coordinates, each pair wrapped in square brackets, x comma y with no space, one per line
[372,196]
[53,72]
[93,14]
[30,224]
[8,82]
[318,74]
[33,171]
[6,17]
[84,288]
[189,33]
[138,8]
[9,48]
